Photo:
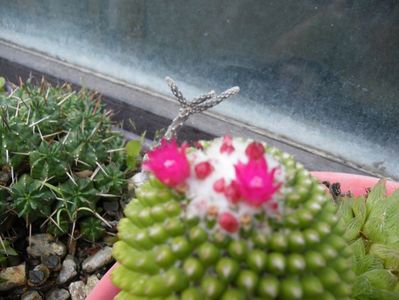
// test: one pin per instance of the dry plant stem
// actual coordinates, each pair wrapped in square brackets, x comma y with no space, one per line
[186,109]
[197,105]
[72,240]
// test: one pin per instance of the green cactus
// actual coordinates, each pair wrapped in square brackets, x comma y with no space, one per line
[49,161]
[55,144]
[91,228]
[169,249]
[31,199]
[372,230]
[78,193]
[111,180]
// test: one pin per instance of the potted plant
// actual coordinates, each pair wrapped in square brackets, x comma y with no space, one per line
[232,218]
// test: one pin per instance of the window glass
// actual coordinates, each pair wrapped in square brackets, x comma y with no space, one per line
[321,73]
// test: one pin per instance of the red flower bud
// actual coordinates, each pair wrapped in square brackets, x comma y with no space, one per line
[232,192]
[228,222]
[227,145]
[219,185]
[255,150]
[203,169]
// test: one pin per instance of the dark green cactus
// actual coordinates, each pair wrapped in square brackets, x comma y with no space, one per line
[77,193]
[31,199]
[297,252]
[111,180]
[91,228]
[49,161]
[54,143]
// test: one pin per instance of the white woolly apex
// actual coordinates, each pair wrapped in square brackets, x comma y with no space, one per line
[232,181]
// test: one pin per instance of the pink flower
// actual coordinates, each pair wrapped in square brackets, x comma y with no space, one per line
[255,182]
[168,163]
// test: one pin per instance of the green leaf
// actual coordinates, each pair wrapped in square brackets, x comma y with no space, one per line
[359,209]
[382,279]
[2,83]
[133,149]
[376,194]
[382,222]
[358,248]
[363,290]
[6,249]
[345,211]
[353,228]
[367,263]
[388,253]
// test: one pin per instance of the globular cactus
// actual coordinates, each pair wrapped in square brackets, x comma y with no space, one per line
[230,219]
[372,230]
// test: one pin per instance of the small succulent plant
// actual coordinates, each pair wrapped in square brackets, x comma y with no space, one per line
[230,219]
[372,230]
[59,157]
[31,199]
[91,228]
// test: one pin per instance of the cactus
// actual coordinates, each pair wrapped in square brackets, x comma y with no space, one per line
[59,156]
[372,230]
[230,219]
[91,228]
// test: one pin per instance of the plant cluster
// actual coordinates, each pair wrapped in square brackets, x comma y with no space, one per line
[372,230]
[60,158]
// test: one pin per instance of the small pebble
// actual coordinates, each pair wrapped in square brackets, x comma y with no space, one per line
[53,262]
[98,260]
[68,270]
[57,294]
[13,277]
[38,275]
[77,290]
[31,295]
[44,245]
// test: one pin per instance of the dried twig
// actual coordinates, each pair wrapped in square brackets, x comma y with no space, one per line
[197,105]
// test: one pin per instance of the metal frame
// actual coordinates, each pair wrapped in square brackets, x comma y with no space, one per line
[151,111]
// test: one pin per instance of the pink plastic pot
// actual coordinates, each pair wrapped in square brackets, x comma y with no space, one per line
[356,184]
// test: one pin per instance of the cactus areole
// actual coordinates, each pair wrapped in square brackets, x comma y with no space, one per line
[230,219]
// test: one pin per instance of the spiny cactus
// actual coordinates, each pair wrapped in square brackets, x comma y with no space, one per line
[59,155]
[231,219]
[372,230]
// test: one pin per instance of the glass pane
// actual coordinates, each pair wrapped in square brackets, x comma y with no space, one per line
[322,73]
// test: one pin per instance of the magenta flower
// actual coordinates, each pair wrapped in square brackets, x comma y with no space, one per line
[255,182]
[168,163]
